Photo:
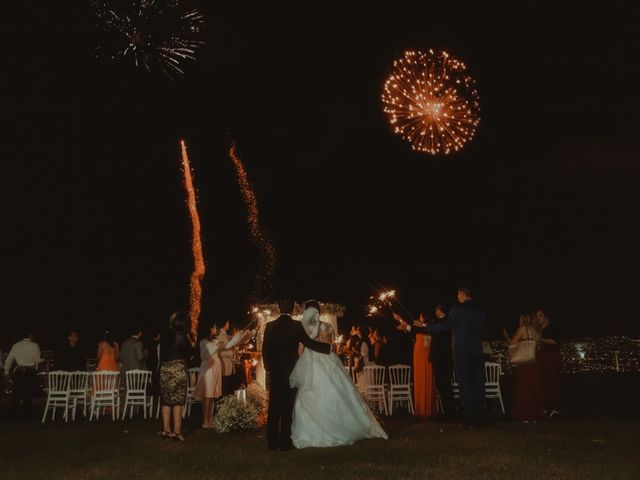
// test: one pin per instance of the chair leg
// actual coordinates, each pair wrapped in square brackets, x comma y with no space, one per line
[501,404]
[46,408]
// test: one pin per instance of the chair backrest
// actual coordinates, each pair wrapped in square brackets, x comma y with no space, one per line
[192,377]
[138,379]
[58,382]
[78,381]
[374,375]
[399,375]
[491,373]
[105,381]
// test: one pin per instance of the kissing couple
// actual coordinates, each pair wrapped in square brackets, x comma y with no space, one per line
[312,400]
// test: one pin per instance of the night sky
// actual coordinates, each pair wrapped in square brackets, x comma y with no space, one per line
[539,209]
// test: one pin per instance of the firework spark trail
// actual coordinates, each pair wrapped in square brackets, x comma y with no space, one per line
[267,266]
[195,293]
[154,34]
[431,101]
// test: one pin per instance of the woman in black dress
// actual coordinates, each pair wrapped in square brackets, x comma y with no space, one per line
[175,352]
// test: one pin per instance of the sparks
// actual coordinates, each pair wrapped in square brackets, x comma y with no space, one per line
[195,284]
[267,267]
[431,102]
[150,34]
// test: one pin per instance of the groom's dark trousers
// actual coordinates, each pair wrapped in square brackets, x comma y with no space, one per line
[280,354]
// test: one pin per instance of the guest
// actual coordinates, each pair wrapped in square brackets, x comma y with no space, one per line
[527,389]
[549,359]
[152,357]
[371,335]
[423,381]
[441,358]
[352,348]
[108,351]
[132,352]
[384,354]
[209,386]
[365,354]
[226,357]
[468,323]
[175,352]
[70,358]
[378,345]
[26,355]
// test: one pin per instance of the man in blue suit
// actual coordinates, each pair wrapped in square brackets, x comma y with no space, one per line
[469,324]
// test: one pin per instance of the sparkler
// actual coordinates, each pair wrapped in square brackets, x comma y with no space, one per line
[195,294]
[153,34]
[267,264]
[431,101]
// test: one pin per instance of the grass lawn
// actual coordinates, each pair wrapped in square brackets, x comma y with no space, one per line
[557,449]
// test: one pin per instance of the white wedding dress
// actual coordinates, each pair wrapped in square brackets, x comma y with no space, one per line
[329,411]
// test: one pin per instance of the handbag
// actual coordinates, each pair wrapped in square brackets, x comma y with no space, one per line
[524,351]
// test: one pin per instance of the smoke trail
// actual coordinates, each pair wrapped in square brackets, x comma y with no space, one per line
[195,294]
[267,266]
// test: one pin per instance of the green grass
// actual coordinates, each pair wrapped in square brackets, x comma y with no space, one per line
[560,449]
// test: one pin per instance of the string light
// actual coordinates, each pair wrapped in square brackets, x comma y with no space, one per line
[431,101]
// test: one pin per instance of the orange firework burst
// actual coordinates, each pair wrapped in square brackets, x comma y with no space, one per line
[431,101]
[267,266]
[195,294]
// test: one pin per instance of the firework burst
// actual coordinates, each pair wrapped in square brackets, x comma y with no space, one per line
[195,293]
[431,101]
[267,265]
[152,34]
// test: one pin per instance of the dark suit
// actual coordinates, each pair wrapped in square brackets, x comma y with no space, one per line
[441,358]
[468,323]
[280,354]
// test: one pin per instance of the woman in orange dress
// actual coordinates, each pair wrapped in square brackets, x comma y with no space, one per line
[423,380]
[108,351]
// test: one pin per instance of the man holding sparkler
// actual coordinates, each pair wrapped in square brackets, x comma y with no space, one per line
[468,323]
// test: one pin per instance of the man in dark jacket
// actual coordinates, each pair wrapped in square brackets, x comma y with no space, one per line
[468,323]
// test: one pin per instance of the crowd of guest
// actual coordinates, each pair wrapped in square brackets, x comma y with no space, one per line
[537,383]
[167,356]
[456,340]
[450,340]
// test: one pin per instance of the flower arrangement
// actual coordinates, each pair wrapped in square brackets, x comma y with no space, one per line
[235,415]
[259,397]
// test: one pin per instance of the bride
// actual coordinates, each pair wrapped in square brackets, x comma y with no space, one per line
[329,411]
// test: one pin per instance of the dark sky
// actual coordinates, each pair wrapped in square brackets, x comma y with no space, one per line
[540,209]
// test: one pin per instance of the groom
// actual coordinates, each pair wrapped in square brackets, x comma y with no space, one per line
[280,354]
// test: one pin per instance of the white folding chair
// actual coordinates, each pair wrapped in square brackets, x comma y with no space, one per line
[58,395]
[192,380]
[373,384]
[400,386]
[455,386]
[79,391]
[492,382]
[137,382]
[106,393]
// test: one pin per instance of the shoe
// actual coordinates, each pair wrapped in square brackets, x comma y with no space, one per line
[286,447]
[553,413]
